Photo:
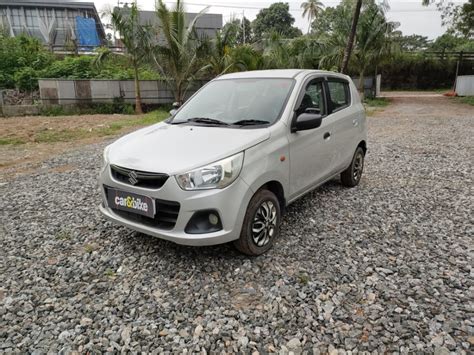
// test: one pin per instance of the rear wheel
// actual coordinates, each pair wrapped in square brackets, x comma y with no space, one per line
[351,176]
[261,224]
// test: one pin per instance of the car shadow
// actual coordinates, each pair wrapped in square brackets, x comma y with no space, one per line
[138,242]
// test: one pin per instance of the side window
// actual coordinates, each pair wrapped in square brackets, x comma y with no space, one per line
[313,99]
[339,94]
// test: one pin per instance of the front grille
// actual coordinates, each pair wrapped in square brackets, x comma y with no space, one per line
[165,218]
[138,178]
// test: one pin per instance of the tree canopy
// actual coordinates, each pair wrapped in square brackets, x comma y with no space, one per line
[276,18]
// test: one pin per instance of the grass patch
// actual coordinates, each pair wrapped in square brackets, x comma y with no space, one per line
[65,135]
[469,100]
[63,235]
[303,278]
[110,273]
[11,141]
[75,134]
[89,248]
[145,120]
[69,135]
[377,102]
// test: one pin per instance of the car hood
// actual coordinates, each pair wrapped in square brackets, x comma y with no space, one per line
[173,149]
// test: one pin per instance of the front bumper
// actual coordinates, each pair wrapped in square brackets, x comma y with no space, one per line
[231,204]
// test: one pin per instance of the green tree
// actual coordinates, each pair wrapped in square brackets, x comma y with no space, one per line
[412,43]
[275,53]
[19,53]
[311,8]
[451,42]
[247,57]
[276,18]
[327,20]
[459,18]
[241,31]
[177,59]
[136,37]
[305,52]
[374,40]
[219,57]
[464,21]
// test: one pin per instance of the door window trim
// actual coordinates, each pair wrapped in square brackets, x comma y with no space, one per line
[347,91]
[302,93]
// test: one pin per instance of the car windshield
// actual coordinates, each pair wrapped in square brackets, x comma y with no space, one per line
[241,102]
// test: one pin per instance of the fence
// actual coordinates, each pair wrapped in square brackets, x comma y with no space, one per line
[465,85]
[371,85]
[76,92]
[425,70]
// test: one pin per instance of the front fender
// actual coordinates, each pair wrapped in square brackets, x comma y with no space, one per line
[268,161]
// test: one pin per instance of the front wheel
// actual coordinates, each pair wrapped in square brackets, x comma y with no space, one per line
[261,224]
[351,176]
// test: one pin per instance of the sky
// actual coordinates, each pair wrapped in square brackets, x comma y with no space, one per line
[412,16]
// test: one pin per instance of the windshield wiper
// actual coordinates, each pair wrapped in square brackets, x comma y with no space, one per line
[250,122]
[207,121]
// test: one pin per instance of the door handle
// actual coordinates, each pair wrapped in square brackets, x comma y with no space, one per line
[327,135]
[355,122]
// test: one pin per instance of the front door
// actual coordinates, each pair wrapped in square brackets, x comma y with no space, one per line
[310,151]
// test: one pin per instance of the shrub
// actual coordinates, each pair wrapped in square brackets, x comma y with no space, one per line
[26,79]
[408,71]
[72,68]
[20,52]
[55,110]
[118,106]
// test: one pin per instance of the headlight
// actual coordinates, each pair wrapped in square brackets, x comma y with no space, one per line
[213,176]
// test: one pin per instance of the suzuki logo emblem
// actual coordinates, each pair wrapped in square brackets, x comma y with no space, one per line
[132,177]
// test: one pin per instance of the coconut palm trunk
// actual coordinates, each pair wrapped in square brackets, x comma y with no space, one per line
[136,38]
[350,41]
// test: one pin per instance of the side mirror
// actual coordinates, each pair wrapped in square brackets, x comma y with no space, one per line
[306,121]
[173,112]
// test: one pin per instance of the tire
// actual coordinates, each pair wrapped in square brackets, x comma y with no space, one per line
[256,243]
[351,176]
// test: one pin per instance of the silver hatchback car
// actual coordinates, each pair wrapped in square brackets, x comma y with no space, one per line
[225,165]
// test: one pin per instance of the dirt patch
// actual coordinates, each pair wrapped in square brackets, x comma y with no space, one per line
[25,142]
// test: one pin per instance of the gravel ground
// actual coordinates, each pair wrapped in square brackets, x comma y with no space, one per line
[384,267]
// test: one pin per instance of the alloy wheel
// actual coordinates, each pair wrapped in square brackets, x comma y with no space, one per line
[358,166]
[264,223]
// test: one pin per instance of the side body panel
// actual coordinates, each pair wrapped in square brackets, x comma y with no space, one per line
[349,130]
[268,161]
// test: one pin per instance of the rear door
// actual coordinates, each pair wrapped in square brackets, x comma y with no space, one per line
[344,122]
[310,151]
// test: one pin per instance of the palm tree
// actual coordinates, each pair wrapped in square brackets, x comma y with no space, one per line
[136,39]
[275,51]
[374,40]
[311,8]
[177,58]
[220,59]
[247,57]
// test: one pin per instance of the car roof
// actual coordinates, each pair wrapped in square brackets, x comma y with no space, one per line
[277,73]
